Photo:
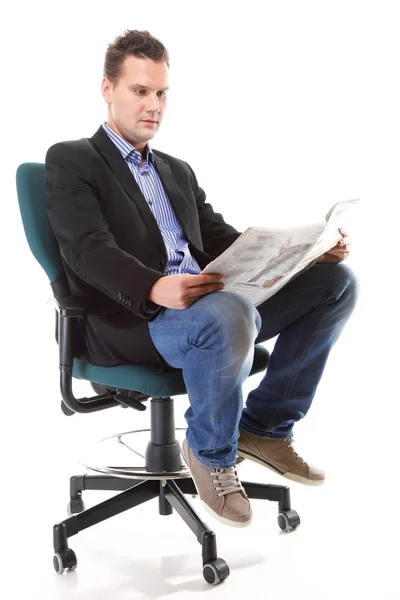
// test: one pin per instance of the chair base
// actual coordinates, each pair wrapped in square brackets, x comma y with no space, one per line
[171,495]
[162,456]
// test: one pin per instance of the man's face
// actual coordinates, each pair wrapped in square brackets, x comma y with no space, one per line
[136,103]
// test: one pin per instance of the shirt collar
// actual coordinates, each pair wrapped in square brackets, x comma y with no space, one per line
[128,151]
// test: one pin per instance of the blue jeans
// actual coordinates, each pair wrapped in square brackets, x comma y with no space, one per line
[212,341]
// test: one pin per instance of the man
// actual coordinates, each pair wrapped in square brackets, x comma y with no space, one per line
[135,230]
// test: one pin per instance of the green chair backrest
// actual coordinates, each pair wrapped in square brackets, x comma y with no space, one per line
[31,189]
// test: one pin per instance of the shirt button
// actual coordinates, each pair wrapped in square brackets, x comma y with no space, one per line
[150,202]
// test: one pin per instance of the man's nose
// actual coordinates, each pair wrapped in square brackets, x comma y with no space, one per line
[153,104]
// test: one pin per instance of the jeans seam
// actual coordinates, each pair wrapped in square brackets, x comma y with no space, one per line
[296,370]
[169,321]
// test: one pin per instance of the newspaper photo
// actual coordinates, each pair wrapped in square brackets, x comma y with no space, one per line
[262,260]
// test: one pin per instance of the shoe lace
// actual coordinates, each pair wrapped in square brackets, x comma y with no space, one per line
[289,443]
[227,480]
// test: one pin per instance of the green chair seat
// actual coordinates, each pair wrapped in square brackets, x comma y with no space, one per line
[148,381]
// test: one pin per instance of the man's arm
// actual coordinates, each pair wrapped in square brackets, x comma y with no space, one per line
[82,232]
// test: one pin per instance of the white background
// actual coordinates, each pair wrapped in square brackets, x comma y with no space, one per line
[281,108]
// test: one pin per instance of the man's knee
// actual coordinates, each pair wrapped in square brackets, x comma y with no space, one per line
[232,315]
[345,284]
[238,312]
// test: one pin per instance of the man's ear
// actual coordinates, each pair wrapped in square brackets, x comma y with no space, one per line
[106,88]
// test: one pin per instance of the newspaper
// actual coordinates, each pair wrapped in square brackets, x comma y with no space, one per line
[262,260]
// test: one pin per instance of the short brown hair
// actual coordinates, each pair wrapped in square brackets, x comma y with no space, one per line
[136,43]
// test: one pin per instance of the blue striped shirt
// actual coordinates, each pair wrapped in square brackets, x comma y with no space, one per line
[179,257]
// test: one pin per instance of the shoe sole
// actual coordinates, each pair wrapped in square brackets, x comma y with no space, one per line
[209,509]
[287,475]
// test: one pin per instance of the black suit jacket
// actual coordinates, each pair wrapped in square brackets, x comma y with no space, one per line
[110,243]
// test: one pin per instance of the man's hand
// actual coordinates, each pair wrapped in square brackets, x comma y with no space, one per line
[180,291]
[339,252]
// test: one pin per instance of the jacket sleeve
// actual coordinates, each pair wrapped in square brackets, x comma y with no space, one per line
[86,243]
[216,235]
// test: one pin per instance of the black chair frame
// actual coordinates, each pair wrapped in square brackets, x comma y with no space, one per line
[162,457]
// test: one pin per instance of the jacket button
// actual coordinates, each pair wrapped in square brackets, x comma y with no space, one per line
[129,302]
[161,264]
[119,296]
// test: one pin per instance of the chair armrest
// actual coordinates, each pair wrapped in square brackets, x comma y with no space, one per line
[69,306]
[68,309]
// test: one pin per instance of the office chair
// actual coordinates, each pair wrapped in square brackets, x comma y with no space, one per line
[163,474]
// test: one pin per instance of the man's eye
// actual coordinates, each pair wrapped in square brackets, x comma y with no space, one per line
[140,92]
[161,93]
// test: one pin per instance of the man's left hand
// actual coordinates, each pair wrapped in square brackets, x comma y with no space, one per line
[339,252]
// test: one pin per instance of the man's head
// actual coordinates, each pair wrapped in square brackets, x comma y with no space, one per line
[135,81]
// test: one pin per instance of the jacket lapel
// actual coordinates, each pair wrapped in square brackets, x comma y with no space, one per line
[174,193]
[124,176]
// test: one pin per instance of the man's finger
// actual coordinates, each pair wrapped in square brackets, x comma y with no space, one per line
[333,258]
[345,241]
[201,290]
[337,255]
[339,250]
[203,279]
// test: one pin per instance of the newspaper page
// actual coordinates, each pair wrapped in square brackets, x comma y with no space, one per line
[337,217]
[262,260]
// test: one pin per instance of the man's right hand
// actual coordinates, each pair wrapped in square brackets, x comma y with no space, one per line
[180,291]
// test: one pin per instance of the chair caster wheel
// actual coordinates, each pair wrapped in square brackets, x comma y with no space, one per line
[215,571]
[288,520]
[64,560]
[75,505]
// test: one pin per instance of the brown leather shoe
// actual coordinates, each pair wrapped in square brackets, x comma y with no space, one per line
[279,456]
[220,491]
